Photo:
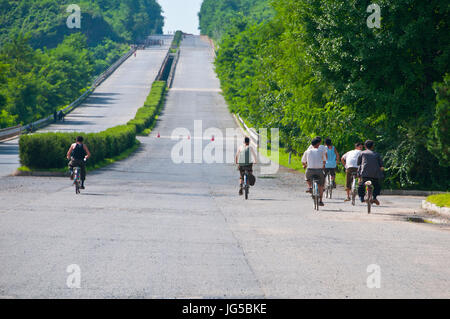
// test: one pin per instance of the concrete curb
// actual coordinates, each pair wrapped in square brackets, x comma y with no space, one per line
[443,211]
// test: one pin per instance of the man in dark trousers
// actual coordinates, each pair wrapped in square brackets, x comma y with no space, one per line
[370,168]
[78,153]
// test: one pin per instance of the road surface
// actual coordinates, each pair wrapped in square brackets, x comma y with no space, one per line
[113,103]
[146,227]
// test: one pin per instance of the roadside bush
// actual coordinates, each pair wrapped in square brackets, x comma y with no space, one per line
[48,150]
[177,39]
[145,116]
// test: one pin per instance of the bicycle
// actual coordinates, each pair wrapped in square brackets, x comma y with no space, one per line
[328,185]
[77,179]
[316,194]
[369,195]
[246,185]
[354,190]
[76,173]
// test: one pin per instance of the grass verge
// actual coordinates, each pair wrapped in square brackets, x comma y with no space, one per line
[441,200]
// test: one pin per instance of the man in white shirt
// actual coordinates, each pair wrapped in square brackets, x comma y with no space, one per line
[350,162]
[314,161]
[322,147]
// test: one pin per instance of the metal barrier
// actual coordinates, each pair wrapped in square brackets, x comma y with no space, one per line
[163,66]
[253,134]
[17,130]
[173,68]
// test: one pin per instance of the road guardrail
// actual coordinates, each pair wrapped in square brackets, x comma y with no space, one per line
[253,134]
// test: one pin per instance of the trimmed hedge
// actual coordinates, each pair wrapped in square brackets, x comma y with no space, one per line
[145,116]
[177,39]
[48,150]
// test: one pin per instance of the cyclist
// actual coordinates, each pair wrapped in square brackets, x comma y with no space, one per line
[245,158]
[314,161]
[77,154]
[350,162]
[370,169]
[322,148]
[332,161]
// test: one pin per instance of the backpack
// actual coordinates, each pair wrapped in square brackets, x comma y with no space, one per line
[78,152]
[251,179]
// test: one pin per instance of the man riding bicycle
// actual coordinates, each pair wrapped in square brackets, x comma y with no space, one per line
[245,158]
[314,161]
[370,169]
[350,162]
[78,153]
[332,161]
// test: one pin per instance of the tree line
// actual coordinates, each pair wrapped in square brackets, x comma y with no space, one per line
[315,68]
[44,65]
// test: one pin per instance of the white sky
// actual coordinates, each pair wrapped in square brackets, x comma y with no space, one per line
[181,15]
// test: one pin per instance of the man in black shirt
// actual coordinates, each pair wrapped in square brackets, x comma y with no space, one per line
[78,154]
[370,168]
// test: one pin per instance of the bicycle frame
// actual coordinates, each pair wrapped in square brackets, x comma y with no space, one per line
[77,179]
[329,185]
[354,190]
[316,194]
[368,195]
[246,185]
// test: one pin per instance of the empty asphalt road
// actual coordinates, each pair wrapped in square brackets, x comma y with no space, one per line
[147,227]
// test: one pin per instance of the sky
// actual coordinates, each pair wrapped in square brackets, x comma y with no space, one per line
[181,15]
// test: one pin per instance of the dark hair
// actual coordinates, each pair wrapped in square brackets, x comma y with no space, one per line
[328,142]
[319,138]
[247,140]
[80,139]
[369,144]
[358,144]
[315,141]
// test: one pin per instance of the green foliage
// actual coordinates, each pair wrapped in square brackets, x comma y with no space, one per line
[45,20]
[439,141]
[145,116]
[216,16]
[177,39]
[44,65]
[48,150]
[441,200]
[315,68]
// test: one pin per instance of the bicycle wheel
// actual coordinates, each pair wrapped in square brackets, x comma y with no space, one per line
[246,185]
[369,199]
[316,195]
[330,185]
[77,180]
[353,192]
